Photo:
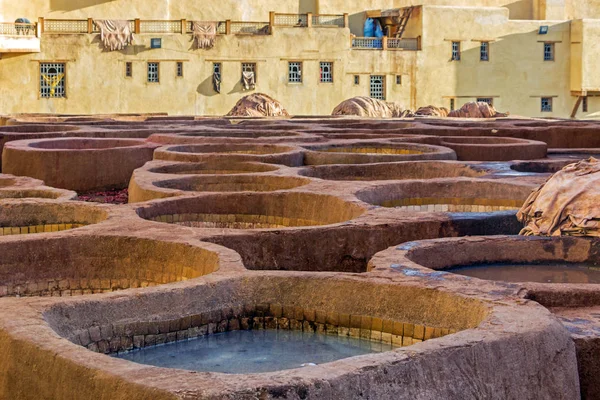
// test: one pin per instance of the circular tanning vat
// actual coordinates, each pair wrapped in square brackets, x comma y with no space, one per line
[449,195]
[494,148]
[272,154]
[233,183]
[374,152]
[211,168]
[75,265]
[427,324]
[541,166]
[79,164]
[253,211]
[31,128]
[392,171]
[30,216]
[540,260]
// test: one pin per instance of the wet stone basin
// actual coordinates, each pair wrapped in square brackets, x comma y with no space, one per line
[254,351]
[541,273]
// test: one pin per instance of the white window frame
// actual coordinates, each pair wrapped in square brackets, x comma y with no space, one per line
[549,51]
[326,77]
[489,100]
[546,104]
[377,90]
[295,72]
[153,72]
[455,51]
[484,51]
[60,88]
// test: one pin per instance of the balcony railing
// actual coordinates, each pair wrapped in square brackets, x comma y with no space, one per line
[250,28]
[324,20]
[300,20]
[161,26]
[385,43]
[402,44]
[17,29]
[309,20]
[367,43]
[182,26]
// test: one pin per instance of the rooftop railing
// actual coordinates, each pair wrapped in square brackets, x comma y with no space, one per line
[17,29]
[139,26]
[309,20]
[385,43]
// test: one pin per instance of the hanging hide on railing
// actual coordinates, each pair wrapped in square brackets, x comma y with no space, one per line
[216,81]
[248,80]
[114,34]
[204,34]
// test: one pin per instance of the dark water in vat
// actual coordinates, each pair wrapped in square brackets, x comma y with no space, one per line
[243,352]
[542,273]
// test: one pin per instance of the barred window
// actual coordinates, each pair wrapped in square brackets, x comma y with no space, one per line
[128,69]
[488,100]
[584,104]
[295,72]
[484,51]
[546,104]
[398,79]
[52,80]
[357,79]
[452,104]
[455,51]
[249,67]
[548,51]
[153,72]
[378,87]
[179,69]
[217,70]
[326,72]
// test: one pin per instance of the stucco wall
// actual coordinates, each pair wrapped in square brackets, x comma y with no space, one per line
[96,81]
[516,75]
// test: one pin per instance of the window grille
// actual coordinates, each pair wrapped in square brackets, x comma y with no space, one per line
[52,80]
[488,100]
[455,51]
[249,67]
[153,72]
[546,104]
[217,70]
[128,70]
[548,51]
[295,72]
[452,104]
[179,69]
[398,79]
[357,79]
[377,87]
[484,51]
[326,72]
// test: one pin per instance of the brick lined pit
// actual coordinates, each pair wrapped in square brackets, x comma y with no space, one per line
[25,217]
[76,265]
[449,195]
[253,210]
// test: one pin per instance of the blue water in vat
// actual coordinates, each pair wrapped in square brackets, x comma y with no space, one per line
[255,351]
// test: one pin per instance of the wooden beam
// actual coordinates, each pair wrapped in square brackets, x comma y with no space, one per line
[576,107]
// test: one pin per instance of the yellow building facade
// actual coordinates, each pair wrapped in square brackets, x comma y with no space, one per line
[533,58]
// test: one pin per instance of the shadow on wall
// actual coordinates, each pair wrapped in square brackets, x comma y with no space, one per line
[307,6]
[70,5]
[522,9]
[509,53]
